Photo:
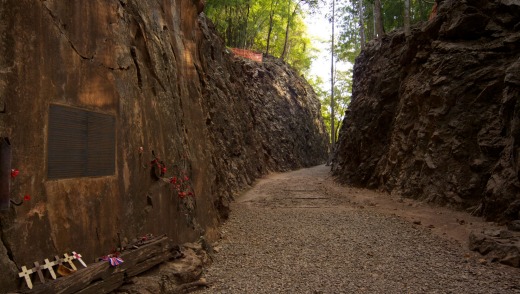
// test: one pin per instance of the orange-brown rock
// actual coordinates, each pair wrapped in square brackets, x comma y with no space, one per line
[161,72]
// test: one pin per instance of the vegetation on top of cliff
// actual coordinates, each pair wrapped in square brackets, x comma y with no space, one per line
[273,27]
[358,21]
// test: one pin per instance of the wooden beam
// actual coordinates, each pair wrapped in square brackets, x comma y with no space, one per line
[100,277]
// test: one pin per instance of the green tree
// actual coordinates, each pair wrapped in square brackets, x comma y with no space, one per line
[407,17]
[342,95]
[273,5]
[275,27]
[356,20]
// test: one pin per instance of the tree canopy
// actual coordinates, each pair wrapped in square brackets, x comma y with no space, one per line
[358,21]
[274,27]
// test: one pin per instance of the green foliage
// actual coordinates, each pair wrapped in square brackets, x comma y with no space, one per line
[253,24]
[393,18]
[342,95]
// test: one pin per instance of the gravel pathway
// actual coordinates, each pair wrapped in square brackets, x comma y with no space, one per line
[292,234]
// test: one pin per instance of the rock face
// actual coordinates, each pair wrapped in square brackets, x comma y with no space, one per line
[157,70]
[436,116]
[502,246]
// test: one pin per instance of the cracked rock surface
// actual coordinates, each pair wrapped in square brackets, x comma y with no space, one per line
[436,116]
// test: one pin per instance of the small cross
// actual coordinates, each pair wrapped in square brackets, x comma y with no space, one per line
[38,269]
[69,260]
[48,265]
[78,257]
[27,275]
[57,260]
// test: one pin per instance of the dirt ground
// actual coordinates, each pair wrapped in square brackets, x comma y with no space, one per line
[442,221]
[300,232]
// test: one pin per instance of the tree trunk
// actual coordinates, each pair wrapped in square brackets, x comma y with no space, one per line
[247,24]
[378,19]
[361,25]
[289,19]
[374,30]
[270,29]
[286,40]
[332,124]
[269,32]
[284,52]
[407,17]
[229,23]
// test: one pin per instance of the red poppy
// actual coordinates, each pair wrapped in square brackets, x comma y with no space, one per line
[14,173]
[27,197]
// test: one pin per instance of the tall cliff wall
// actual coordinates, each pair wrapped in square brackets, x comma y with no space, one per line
[436,116]
[159,72]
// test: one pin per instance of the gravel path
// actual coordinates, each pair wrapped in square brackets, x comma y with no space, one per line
[298,232]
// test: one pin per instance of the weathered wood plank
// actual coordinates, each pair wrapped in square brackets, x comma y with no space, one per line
[148,264]
[75,282]
[100,277]
[105,286]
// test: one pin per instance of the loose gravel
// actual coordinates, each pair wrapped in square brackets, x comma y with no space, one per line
[289,234]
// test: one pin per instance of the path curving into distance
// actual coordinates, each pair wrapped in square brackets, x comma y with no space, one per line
[299,232]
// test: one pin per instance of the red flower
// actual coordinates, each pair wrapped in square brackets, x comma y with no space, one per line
[173,180]
[182,194]
[27,197]
[14,173]
[186,178]
[163,169]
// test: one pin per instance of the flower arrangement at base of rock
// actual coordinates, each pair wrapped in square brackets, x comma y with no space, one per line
[183,190]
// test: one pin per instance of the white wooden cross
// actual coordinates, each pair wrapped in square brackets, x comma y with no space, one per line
[38,269]
[69,260]
[78,257]
[48,265]
[27,275]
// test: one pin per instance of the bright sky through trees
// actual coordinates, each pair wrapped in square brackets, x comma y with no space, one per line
[319,30]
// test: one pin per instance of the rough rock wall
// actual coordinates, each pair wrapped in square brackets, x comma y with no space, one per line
[253,113]
[436,116]
[167,79]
